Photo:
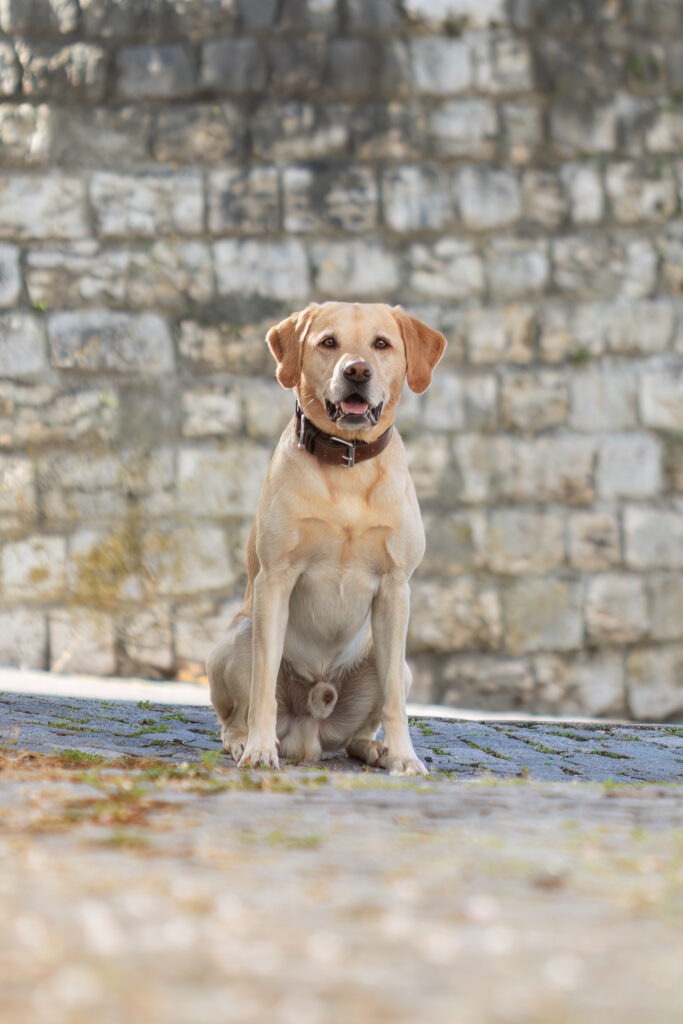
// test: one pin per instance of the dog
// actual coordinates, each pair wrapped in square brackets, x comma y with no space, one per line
[315,659]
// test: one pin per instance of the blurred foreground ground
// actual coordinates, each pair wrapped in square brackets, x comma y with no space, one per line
[147,880]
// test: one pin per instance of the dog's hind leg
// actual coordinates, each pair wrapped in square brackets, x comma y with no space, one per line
[229,671]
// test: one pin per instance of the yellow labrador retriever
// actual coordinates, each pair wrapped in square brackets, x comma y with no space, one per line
[315,659]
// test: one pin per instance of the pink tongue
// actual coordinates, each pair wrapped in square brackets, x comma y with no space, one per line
[354,407]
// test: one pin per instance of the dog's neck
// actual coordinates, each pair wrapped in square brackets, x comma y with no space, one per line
[335,451]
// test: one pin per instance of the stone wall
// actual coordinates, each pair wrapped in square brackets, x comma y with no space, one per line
[176,175]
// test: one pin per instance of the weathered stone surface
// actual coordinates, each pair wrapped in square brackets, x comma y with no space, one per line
[583,183]
[71,73]
[268,408]
[506,682]
[602,400]
[465,128]
[299,131]
[594,682]
[37,415]
[653,538]
[233,65]
[147,640]
[206,132]
[147,205]
[99,136]
[577,129]
[23,639]
[661,399]
[53,16]
[442,13]
[170,273]
[354,269]
[34,568]
[10,277]
[417,198]
[211,413]
[544,198]
[97,340]
[450,269]
[516,268]
[78,273]
[22,347]
[616,609]
[464,614]
[635,196]
[654,682]
[488,198]
[244,201]
[187,560]
[440,67]
[457,543]
[221,482]
[154,72]
[457,403]
[522,541]
[534,401]
[317,200]
[502,63]
[73,490]
[522,128]
[665,592]
[501,335]
[26,134]
[594,541]
[18,505]
[542,615]
[205,348]
[274,270]
[50,206]
[9,71]
[81,640]
[629,466]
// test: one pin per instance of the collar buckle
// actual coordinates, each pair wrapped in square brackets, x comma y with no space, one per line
[349,456]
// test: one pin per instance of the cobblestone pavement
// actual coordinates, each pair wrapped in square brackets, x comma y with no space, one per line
[171,887]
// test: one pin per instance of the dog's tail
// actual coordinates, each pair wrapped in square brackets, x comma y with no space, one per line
[322,698]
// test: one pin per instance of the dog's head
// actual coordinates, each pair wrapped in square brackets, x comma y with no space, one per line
[347,362]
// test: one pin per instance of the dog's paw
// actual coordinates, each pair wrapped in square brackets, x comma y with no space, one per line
[259,755]
[369,751]
[234,741]
[402,764]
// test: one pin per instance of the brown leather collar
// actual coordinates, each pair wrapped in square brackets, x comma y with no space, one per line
[334,451]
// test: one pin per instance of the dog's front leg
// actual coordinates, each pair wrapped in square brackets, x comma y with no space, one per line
[270,614]
[390,611]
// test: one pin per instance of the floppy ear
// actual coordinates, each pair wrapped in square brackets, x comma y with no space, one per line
[285,341]
[424,348]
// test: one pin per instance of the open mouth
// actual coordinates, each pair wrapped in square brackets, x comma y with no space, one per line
[354,410]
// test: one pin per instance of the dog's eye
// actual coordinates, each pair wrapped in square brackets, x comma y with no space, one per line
[328,343]
[381,343]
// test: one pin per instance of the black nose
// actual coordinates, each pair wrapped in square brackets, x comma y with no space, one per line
[358,371]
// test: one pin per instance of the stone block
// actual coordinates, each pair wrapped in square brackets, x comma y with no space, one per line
[74,274]
[603,398]
[274,270]
[533,401]
[673,461]
[463,614]
[522,541]
[170,274]
[18,505]
[211,413]
[99,136]
[631,327]
[441,14]
[33,416]
[9,70]
[653,538]
[81,640]
[319,199]
[106,566]
[187,560]
[600,267]
[244,200]
[583,183]
[147,205]
[146,642]
[417,198]
[629,466]
[654,683]
[504,335]
[233,65]
[586,684]
[665,591]
[616,609]
[439,66]
[516,268]
[483,680]
[543,615]
[34,569]
[26,135]
[454,402]
[267,408]
[206,348]
[579,128]
[23,639]
[456,543]
[299,131]
[76,73]
[594,541]
[431,468]
[50,206]
[636,196]
[10,276]
[198,626]
[221,482]
[351,67]
[355,269]
[148,471]
[201,132]
[487,197]
[661,398]
[38,16]
[154,73]
[464,128]
[75,488]
[502,63]
[449,269]
[22,347]
[665,132]
[380,16]
[522,130]
[258,14]
[544,198]
[97,340]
